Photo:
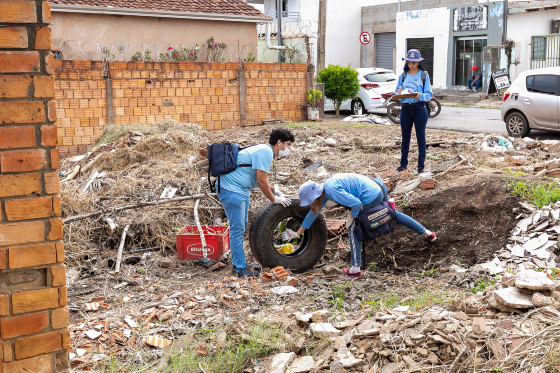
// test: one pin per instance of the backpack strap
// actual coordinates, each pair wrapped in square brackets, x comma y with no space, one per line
[382,189]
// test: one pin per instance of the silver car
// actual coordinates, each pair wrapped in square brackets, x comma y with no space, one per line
[533,101]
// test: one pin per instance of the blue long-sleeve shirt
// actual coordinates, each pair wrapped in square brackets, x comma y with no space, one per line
[350,190]
[414,82]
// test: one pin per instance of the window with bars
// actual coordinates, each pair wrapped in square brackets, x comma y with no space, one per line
[538,48]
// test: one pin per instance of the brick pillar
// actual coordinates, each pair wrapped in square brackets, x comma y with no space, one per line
[33,314]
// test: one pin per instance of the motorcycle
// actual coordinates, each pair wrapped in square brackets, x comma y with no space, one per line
[394,108]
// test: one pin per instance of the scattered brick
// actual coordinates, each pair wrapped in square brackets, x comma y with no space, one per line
[428,184]
[279,273]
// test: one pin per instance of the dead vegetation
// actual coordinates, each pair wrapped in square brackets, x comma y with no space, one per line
[159,314]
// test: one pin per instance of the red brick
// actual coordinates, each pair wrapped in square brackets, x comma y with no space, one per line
[19,62]
[58,275]
[51,111]
[46,10]
[56,206]
[55,161]
[22,232]
[2,259]
[22,160]
[4,304]
[62,296]
[17,137]
[6,352]
[32,255]
[18,12]
[55,229]
[24,325]
[60,255]
[52,183]
[43,39]
[13,37]
[49,135]
[29,208]
[35,300]
[38,364]
[38,344]
[14,86]
[66,339]
[44,86]
[59,318]
[20,185]
[49,64]
[21,111]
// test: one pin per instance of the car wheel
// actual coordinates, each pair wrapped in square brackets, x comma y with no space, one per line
[358,107]
[516,125]
[266,243]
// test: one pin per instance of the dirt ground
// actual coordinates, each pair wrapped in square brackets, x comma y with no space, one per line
[470,209]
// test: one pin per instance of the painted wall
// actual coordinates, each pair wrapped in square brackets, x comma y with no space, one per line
[426,23]
[117,31]
[521,27]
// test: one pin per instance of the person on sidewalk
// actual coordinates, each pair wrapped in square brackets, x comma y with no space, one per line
[235,189]
[413,109]
[475,81]
[357,192]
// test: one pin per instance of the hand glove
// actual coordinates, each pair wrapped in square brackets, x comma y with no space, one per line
[291,234]
[279,194]
[282,201]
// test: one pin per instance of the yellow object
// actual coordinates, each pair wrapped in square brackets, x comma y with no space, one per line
[286,249]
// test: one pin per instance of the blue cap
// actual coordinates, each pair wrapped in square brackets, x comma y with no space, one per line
[309,192]
[413,55]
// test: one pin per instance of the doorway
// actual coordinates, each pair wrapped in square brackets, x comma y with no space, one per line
[426,48]
[468,53]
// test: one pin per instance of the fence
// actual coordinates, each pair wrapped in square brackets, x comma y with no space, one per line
[90,94]
[545,51]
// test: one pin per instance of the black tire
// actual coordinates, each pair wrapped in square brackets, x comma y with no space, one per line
[261,237]
[516,125]
[435,108]
[394,112]
[358,107]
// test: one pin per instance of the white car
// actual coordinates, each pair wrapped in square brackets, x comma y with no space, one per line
[374,81]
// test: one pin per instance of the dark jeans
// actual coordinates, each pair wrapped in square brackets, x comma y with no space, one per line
[413,114]
[477,84]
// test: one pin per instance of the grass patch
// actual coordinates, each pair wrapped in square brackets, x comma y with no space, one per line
[482,284]
[217,351]
[336,298]
[540,194]
[422,298]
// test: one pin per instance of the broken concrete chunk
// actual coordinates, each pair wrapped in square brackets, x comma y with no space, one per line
[302,364]
[533,280]
[303,318]
[513,297]
[541,300]
[281,361]
[324,330]
[350,361]
[320,316]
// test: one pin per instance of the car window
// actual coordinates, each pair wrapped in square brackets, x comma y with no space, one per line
[380,77]
[542,84]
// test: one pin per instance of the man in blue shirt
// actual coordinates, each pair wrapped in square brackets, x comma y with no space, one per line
[235,189]
[358,192]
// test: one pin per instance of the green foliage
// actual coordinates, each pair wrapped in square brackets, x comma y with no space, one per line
[250,57]
[341,83]
[292,55]
[429,272]
[538,193]
[336,298]
[314,98]
[372,266]
[482,284]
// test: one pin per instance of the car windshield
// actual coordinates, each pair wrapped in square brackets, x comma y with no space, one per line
[380,77]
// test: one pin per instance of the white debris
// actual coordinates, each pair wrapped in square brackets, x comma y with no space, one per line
[281,361]
[302,365]
[324,330]
[282,290]
[93,334]
[533,280]
[513,297]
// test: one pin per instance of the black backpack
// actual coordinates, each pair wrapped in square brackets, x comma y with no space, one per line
[377,220]
[423,76]
[222,159]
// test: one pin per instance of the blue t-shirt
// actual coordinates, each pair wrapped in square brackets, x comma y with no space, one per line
[243,179]
[350,190]
[414,82]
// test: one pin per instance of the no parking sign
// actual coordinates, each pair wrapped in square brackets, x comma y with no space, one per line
[365,38]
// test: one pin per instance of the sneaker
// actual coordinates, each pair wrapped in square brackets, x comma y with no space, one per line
[254,267]
[420,170]
[346,271]
[401,169]
[430,236]
[245,272]
[475,90]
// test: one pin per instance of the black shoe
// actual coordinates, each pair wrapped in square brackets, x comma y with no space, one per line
[401,169]
[254,267]
[420,170]
[246,272]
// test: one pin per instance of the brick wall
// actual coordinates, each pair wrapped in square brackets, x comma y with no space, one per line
[90,94]
[33,314]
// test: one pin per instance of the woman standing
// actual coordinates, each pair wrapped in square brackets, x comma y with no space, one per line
[414,79]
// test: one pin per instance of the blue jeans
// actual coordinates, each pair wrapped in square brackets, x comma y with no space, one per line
[413,114]
[356,244]
[236,206]
[477,84]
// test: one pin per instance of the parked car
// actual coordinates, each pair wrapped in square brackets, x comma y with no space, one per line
[533,101]
[374,81]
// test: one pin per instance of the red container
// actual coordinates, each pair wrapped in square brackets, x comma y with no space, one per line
[190,248]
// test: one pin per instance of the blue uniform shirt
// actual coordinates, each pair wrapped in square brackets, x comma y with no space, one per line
[414,82]
[350,190]
[243,179]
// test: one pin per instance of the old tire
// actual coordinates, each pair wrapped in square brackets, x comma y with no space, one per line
[262,232]
[516,125]
[394,112]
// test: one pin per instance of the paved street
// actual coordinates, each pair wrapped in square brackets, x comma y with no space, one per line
[468,119]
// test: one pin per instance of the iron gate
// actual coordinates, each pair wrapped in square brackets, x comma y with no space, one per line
[426,48]
[545,51]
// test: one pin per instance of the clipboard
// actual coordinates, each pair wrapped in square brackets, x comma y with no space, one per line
[406,95]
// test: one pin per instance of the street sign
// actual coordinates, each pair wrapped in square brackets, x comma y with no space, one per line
[365,38]
[499,82]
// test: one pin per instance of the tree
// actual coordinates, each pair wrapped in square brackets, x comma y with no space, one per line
[341,83]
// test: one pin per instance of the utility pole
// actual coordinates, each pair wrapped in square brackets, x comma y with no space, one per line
[321,39]
[504,31]
[279,16]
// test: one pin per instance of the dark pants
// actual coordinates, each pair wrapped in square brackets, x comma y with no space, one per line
[476,84]
[413,114]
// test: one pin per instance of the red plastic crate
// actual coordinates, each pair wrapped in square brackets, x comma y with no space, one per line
[190,248]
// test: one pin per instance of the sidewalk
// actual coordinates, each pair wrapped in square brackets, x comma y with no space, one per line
[464,97]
